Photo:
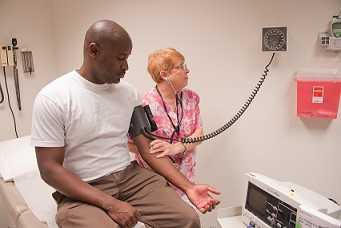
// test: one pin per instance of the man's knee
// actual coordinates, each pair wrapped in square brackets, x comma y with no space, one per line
[191,219]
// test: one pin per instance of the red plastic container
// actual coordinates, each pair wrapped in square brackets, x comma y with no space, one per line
[318,97]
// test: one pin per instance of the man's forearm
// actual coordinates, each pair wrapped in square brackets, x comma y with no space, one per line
[163,166]
[72,186]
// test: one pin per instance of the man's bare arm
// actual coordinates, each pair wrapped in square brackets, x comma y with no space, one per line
[50,162]
[199,195]
[163,166]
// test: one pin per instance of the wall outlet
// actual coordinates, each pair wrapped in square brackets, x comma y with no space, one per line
[329,42]
[274,39]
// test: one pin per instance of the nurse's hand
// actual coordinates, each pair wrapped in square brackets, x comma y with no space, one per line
[123,213]
[200,196]
[162,148]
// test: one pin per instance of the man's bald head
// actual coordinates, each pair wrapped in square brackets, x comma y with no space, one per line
[105,32]
[107,46]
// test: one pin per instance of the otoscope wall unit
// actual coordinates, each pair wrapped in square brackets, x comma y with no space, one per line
[9,60]
[318,95]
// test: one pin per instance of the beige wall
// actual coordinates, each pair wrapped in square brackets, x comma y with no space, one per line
[31,24]
[222,43]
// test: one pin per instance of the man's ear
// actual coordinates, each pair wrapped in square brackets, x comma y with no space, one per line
[93,49]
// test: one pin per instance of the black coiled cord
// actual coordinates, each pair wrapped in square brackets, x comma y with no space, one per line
[9,104]
[229,123]
[237,115]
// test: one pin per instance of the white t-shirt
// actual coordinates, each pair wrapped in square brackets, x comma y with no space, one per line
[90,121]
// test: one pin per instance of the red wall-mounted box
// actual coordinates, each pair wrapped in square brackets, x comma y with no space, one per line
[318,96]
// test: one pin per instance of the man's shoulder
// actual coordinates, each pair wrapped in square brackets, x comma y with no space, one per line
[58,85]
[127,89]
[126,85]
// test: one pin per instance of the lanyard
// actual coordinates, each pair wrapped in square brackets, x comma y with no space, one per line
[178,101]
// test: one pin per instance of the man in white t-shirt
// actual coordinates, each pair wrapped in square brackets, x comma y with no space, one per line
[80,127]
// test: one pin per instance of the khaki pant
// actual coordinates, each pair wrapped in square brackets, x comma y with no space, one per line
[158,204]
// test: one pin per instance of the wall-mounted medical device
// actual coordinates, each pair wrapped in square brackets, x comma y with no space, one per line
[9,60]
[332,40]
[274,39]
[3,61]
[274,204]
[318,95]
[27,61]
[15,71]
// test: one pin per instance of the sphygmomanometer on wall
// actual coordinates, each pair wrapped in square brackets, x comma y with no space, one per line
[274,39]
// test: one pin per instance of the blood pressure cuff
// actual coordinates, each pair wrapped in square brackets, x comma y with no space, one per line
[141,121]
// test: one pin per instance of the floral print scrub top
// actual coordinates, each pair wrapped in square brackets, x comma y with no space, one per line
[190,122]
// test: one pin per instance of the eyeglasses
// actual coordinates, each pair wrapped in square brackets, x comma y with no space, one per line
[182,66]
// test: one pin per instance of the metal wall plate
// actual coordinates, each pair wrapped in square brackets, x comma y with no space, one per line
[274,39]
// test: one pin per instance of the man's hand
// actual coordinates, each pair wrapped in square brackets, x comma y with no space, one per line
[200,197]
[122,213]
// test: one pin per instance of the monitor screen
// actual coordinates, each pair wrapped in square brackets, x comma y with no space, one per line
[269,209]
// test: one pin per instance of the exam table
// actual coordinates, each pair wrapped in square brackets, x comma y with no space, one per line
[25,199]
